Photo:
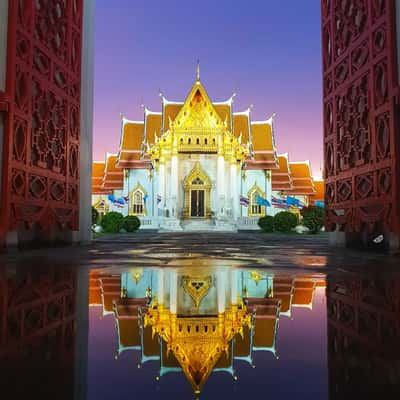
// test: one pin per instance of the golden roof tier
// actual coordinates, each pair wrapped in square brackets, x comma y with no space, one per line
[281,178]
[302,182]
[197,125]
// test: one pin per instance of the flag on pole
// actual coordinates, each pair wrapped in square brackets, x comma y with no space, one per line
[159,199]
[244,201]
[262,202]
[278,203]
[292,201]
[145,197]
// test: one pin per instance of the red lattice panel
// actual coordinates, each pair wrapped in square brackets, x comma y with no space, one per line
[41,174]
[360,100]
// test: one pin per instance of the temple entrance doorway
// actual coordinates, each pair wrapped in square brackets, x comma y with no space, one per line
[197,203]
[197,186]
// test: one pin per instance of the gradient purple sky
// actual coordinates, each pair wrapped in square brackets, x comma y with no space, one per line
[266,51]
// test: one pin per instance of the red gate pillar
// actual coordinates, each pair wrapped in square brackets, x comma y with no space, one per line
[44,114]
[361,125]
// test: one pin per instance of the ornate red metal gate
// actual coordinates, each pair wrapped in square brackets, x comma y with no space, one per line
[40,179]
[360,87]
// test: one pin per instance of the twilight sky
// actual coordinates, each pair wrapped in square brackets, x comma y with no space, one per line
[266,51]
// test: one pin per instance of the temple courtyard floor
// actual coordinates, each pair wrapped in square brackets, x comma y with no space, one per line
[250,249]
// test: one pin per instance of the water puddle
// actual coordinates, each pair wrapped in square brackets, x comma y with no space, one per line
[199,327]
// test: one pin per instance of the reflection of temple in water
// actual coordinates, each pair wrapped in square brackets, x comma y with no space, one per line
[363,336]
[38,333]
[199,320]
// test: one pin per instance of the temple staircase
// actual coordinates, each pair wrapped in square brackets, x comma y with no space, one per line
[207,225]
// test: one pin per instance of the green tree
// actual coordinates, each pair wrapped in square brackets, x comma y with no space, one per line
[112,222]
[266,223]
[313,218]
[131,223]
[285,221]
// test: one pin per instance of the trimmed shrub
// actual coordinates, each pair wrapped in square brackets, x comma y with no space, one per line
[131,223]
[112,222]
[266,223]
[284,221]
[313,218]
[95,216]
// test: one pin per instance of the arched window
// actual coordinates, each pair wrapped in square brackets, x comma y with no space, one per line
[255,209]
[197,141]
[214,141]
[205,141]
[181,141]
[138,203]
[189,141]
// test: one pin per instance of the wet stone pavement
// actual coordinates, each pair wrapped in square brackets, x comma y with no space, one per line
[183,316]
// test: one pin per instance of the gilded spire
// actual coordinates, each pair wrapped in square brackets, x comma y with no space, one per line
[198,71]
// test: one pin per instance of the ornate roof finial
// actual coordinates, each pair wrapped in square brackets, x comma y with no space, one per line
[198,71]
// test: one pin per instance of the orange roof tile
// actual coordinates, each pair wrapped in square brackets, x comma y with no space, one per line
[152,126]
[281,179]
[319,195]
[113,176]
[224,112]
[265,332]
[303,296]
[302,182]
[130,153]
[241,125]
[262,137]
[97,178]
[171,110]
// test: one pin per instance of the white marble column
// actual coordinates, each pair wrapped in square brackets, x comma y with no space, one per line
[268,191]
[160,287]
[161,185]
[234,286]
[220,184]
[173,292]
[221,291]
[174,185]
[234,191]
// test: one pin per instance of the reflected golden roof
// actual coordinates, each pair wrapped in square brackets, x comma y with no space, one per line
[197,343]
[264,332]
[281,179]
